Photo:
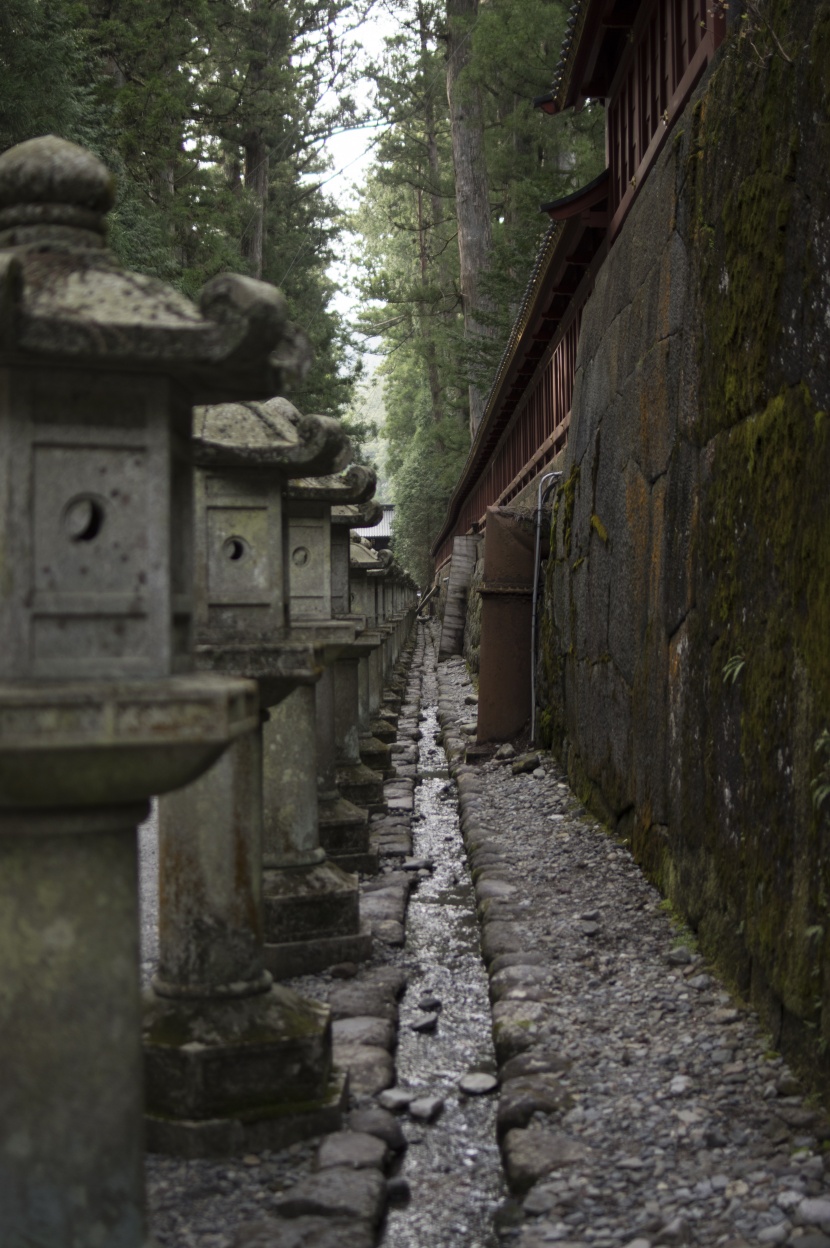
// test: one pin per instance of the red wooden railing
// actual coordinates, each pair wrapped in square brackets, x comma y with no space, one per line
[671,44]
[536,433]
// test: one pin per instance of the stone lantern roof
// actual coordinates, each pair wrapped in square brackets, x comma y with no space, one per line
[356,485]
[271,435]
[358,515]
[64,298]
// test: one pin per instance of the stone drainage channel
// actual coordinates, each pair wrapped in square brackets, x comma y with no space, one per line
[452,1166]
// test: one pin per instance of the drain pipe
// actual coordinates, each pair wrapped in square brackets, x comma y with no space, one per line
[553,478]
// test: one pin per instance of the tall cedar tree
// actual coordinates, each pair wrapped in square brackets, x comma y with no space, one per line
[410,231]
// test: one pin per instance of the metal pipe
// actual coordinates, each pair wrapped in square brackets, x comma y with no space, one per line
[553,477]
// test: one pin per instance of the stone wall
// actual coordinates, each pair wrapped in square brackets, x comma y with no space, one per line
[686,642]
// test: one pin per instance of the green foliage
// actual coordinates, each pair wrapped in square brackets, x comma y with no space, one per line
[733,667]
[175,97]
[820,784]
[407,231]
[43,64]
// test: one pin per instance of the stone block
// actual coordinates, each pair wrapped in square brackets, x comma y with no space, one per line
[336,1193]
[370,1067]
[309,902]
[357,1150]
[529,1155]
[305,1232]
[226,1058]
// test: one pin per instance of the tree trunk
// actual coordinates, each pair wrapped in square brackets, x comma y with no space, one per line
[430,354]
[256,181]
[475,236]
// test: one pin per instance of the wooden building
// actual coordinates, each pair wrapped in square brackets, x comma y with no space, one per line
[642,59]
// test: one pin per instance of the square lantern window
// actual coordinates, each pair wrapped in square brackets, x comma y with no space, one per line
[308,559]
[96,513]
[241,576]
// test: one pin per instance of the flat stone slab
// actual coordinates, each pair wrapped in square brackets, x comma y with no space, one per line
[370,1068]
[425,1024]
[533,1062]
[477,1083]
[500,938]
[304,1232]
[364,1029]
[336,1193]
[384,904]
[355,1149]
[374,1120]
[516,1026]
[531,1154]
[356,999]
[389,932]
[522,1098]
[525,763]
[486,889]
[396,1099]
[426,1108]
[504,982]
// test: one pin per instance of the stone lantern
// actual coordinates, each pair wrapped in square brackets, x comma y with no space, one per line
[210,1089]
[98,708]
[343,820]
[366,569]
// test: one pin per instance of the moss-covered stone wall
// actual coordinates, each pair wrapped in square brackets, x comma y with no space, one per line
[687,635]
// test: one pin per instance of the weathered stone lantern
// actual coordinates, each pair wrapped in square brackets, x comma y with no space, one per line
[98,710]
[233,1062]
[365,571]
[342,773]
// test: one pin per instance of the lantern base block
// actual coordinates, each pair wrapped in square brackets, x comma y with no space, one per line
[344,834]
[307,957]
[271,1126]
[362,786]
[377,756]
[229,1074]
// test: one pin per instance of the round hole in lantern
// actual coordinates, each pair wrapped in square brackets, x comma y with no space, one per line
[300,556]
[83,518]
[235,548]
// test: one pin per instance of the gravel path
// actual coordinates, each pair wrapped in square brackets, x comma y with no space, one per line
[640,1104]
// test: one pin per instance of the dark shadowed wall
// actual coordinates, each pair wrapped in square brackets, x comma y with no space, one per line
[686,642]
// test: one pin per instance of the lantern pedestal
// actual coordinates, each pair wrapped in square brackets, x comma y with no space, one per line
[77,764]
[376,754]
[343,827]
[310,906]
[232,1062]
[356,782]
[70,1095]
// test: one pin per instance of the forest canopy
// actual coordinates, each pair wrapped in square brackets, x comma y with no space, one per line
[215,116]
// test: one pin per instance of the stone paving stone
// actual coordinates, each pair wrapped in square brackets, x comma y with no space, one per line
[364,1029]
[375,1120]
[371,1069]
[532,1153]
[336,1193]
[356,999]
[305,1232]
[354,1149]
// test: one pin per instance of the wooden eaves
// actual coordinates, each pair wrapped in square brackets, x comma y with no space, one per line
[570,246]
